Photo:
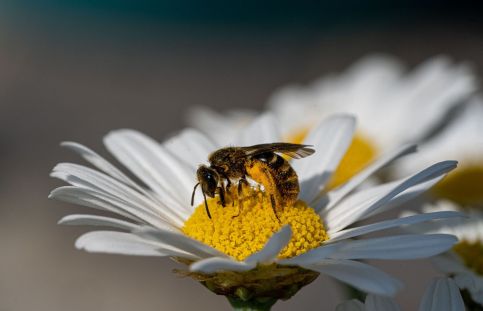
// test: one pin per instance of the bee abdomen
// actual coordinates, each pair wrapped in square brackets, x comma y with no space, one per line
[284,176]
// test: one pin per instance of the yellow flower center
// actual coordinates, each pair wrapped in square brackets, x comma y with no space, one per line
[462,186]
[359,154]
[242,228]
[472,255]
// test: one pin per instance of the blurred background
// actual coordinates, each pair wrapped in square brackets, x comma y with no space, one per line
[73,70]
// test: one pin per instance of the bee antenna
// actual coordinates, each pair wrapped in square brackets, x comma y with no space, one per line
[206,206]
[193,194]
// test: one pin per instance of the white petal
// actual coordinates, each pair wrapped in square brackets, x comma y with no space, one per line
[359,275]
[222,127]
[272,248]
[350,305]
[337,194]
[87,178]
[365,202]
[411,246]
[103,201]
[216,264]
[460,140]
[439,85]
[388,224]
[99,162]
[263,129]
[449,263]
[190,146]
[120,243]
[442,295]
[473,283]
[313,256]
[94,220]
[178,240]
[154,165]
[380,303]
[406,195]
[330,138]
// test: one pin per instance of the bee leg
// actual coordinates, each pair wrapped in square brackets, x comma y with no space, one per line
[241,182]
[221,192]
[272,200]
[206,206]
[228,182]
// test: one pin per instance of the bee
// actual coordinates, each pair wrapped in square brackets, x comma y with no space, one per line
[261,163]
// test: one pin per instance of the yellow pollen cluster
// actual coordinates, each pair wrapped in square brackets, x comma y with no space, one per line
[472,255]
[359,154]
[462,186]
[241,230]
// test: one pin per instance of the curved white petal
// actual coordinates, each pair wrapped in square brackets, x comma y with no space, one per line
[98,161]
[272,248]
[392,223]
[178,240]
[122,243]
[190,146]
[87,178]
[442,295]
[460,140]
[365,202]
[312,256]
[407,195]
[473,283]
[94,220]
[330,139]
[220,126]
[264,129]
[437,83]
[410,246]
[154,165]
[217,264]
[449,263]
[105,202]
[359,275]
[337,194]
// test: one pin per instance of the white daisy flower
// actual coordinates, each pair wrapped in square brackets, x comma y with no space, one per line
[441,295]
[378,90]
[461,140]
[465,261]
[244,252]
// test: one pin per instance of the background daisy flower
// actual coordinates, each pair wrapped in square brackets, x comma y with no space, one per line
[309,238]
[461,140]
[378,90]
[442,295]
[465,261]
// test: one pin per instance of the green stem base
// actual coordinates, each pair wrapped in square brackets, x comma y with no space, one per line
[259,304]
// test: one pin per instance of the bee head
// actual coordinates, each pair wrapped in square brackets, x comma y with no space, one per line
[208,179]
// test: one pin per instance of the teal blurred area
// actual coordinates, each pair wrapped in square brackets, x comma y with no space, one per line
[271,14]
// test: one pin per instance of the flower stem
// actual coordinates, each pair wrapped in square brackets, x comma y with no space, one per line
[256,304]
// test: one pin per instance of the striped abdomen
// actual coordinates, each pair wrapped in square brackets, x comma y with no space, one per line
[276,175]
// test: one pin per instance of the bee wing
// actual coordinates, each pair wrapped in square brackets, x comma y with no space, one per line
[295,151]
